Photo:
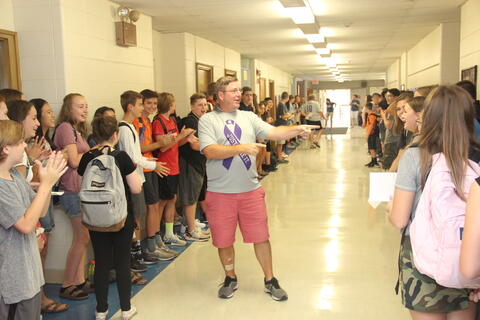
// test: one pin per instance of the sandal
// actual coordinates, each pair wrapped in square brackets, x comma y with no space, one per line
[54,307]
[86,287]
[72,293]
[137,278]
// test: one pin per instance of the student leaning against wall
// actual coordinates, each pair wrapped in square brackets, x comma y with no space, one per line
[71,134]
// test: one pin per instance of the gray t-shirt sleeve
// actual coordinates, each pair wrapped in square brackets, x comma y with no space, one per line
[262,129]
[409,170]
[206,132]
[11,209]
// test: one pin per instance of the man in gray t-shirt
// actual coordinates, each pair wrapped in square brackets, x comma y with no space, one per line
[234,196]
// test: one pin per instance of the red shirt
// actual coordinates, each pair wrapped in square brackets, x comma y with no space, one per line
[170,157]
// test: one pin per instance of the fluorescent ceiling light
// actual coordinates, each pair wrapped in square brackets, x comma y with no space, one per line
[318,7]
[323,51]
[341,80]
[315,38]
[301,15]
[327,32]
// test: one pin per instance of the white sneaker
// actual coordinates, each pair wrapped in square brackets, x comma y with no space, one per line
[127,315]
[101,315]
[174,240]
[202,226]
[196,235]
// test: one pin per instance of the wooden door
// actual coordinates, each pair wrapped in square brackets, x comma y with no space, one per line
[204,77]
[271,93]
[263,89]
[9,61]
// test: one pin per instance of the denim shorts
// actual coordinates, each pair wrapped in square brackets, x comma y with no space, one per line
[71,203]
[48,222]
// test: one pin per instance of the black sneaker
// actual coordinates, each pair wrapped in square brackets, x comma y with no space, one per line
[137,266]
[373,164]
[273,289]
[229,286]
[369,164]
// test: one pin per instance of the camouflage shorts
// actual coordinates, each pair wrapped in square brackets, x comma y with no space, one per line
[420,292]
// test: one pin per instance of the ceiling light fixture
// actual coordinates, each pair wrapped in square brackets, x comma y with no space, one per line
[323,51]
[301,15]
[315,38]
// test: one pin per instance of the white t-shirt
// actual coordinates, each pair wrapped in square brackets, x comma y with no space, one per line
[312,109]
[29,170]
[131,146]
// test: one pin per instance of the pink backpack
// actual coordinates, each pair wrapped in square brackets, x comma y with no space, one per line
[436,230]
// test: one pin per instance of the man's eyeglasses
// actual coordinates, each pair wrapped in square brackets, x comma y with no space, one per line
[234,91]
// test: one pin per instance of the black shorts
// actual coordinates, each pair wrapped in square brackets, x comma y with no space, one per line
[315,123]
[168,187]
[150,188]
[372,142]
[203,192]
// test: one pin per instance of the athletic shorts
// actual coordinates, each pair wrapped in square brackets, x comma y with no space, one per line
[190,183]
[372,142]
[139,206]
[25,309]
[247,209]
[168,187]
[150,188]
[315,123]
[203,191]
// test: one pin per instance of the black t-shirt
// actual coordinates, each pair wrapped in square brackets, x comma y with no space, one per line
[193,157]
[244,107]
[124,163]
[281,110]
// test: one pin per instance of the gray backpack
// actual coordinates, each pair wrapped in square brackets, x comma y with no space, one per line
[102,194]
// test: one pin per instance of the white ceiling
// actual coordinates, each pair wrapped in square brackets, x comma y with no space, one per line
[365,36]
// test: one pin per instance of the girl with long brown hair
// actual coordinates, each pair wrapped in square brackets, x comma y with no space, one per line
[448,128]
[71,134]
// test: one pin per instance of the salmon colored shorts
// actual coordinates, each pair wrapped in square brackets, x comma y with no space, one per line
[248,209]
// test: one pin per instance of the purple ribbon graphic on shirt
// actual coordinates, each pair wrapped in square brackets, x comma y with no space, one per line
[234,138]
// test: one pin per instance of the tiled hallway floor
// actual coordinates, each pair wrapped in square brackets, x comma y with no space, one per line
[335,256]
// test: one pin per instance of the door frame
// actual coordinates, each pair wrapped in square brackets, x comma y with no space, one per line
[204,67]
[13,57]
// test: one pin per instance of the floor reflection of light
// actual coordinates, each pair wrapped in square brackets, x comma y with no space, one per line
[337,203]
[334,221]
[332,233]
[339,190]
[324,300]
[331,255]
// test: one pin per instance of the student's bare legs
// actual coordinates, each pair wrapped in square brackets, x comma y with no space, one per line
[75,265]
[263,251]
[227,258]
[189,212]
[465,314]
[152,223]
